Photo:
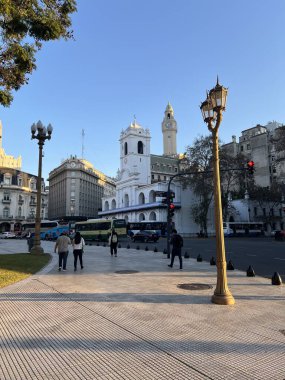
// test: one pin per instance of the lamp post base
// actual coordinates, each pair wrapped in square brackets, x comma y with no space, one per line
[223,299]
[37,250]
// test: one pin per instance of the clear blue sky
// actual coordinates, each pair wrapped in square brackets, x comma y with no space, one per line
[132,57]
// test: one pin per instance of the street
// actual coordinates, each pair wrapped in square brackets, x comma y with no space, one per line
[265,255]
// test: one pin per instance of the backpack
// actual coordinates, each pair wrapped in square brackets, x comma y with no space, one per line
[114,238]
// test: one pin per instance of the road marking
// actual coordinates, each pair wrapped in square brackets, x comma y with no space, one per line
[277,258]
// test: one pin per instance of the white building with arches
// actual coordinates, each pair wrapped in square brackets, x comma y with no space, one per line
[141,174]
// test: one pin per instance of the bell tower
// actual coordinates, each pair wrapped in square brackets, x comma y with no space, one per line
[135,154]
[169,131]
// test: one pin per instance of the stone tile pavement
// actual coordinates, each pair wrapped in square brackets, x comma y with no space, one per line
[99,324]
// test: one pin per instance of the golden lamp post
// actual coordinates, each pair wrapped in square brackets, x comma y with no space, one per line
[40,133]
[212,110]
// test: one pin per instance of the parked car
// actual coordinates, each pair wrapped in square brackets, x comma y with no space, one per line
[145,236]
[7,235]
[273,232]
[280,235]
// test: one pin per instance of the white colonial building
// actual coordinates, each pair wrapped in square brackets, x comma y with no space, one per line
[141,174]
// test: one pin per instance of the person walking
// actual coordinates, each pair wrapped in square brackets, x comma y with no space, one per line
[61,246]
[78,244]
[177,244]
[113,242]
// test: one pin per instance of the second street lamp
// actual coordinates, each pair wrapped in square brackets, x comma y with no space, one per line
[40,133]
[212,111]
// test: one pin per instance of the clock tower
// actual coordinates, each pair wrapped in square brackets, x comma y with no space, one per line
[169,131]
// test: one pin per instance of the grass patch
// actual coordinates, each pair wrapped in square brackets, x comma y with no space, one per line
[16,267]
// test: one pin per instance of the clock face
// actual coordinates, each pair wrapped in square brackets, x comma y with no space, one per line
[168,125]
[72,164]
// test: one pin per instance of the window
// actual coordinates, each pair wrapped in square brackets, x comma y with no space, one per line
[6,212]
[6,196]
[33,184]
[264,211]
[248,146]
[168,115]
[7,179]
[255,211]
[175,169]
[241,148]
[126,148]
[20,211]
[140,147]
[20,181]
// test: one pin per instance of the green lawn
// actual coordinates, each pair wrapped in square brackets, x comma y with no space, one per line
[18,266]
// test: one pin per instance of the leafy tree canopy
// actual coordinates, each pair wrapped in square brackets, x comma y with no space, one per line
[24,25]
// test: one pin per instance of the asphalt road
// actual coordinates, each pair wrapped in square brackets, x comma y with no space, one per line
[265,255]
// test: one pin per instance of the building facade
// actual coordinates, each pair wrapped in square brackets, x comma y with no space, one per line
[18,193]
[76,189]
[258,144]
[142,174]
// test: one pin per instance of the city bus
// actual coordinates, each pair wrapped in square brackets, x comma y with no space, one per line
[100,229]
[243,228]
[46,226]
[159,227]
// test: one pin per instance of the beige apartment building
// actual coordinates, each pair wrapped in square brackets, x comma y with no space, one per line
[76,189]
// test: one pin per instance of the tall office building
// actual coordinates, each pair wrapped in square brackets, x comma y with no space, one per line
[76,189]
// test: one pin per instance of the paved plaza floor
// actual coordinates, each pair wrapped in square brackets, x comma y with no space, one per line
[101,323]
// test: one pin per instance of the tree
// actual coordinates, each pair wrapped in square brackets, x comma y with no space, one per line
[268,199]
[200,160]
[200,156]
[24,25]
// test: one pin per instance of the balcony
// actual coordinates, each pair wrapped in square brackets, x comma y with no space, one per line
[6,201]
[33,203]
[20,218]
[20,201]
[10,217]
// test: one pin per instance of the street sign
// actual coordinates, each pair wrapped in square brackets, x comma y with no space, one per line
[160,194]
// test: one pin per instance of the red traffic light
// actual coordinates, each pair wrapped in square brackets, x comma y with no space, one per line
[250,167]
[171,206]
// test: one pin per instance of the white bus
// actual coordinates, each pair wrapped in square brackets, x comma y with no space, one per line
[243,228]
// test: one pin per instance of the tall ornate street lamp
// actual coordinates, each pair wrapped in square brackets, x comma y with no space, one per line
[212,110]
[42,134]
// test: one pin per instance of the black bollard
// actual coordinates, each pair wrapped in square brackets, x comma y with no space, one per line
[155,249]
[199,258]
[128,246]
[276,279]
[186,255]
[97,244]
[230,265]
[119,245]
[104,245]
[146,248]
[138,247]
[212,261]
[165,251]
[250,272]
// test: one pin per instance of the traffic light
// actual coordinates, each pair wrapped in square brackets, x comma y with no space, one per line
[250,167]
[171,209]
[171,196]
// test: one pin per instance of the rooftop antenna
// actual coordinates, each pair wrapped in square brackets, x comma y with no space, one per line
[82,151]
